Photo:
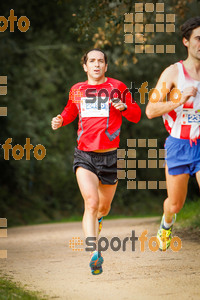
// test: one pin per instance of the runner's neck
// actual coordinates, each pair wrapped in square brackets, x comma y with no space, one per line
[193,68]
[91,81]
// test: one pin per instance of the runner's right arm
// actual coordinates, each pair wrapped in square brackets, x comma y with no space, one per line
[68,115]
[166,83]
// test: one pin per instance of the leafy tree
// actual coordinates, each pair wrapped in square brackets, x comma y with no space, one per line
[41,65]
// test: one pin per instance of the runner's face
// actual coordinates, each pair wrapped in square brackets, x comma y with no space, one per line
[194,44]
[95,65]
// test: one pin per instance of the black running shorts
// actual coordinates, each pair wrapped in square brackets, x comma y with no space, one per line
[103,164]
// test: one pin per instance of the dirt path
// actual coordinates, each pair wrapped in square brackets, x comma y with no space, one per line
[40,257]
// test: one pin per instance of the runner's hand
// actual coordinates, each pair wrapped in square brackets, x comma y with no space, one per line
[119,105]
[187,93]
[57,122]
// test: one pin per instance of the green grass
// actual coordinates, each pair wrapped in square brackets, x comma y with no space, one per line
[109,217]
[189,216]
[77,218]
[11,291]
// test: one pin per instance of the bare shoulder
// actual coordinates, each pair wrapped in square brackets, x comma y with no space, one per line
[170,74]
[172,70]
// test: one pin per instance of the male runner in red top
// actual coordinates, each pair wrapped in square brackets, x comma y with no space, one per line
[98,102]
[182,121]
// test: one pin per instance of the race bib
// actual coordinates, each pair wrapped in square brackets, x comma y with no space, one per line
[190,116]
[94,107]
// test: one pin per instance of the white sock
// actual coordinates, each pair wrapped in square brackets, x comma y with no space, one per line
[168,225]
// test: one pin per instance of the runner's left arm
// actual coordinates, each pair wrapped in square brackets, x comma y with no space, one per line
[133,111]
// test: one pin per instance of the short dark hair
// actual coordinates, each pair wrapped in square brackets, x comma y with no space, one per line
[189,26]
[85,56]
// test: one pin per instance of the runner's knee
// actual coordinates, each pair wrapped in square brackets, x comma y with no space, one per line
[175,208]
[104,210]
[91,204]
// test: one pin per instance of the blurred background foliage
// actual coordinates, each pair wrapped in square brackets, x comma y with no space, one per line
[41,65]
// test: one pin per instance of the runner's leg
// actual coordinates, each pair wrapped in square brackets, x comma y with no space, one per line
[106,193]
[88,183]
[97,198]
[94,193]
[177,191]
[198,178]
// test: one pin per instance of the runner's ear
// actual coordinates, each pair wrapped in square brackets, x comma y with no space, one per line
[85,68]
[185,42]
[106,68]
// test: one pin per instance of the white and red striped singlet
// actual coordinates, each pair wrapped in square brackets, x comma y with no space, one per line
[184,121]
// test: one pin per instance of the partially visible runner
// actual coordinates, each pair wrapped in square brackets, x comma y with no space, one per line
[95,158]
[182,121]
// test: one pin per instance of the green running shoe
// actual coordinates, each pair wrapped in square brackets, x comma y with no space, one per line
[164,235]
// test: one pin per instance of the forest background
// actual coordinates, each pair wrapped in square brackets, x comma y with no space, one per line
[41,65]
